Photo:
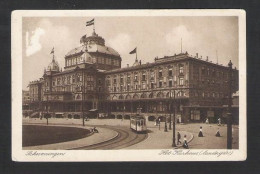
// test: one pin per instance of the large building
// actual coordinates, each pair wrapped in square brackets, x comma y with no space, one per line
[93,82]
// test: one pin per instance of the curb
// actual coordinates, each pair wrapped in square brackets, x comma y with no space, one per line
[96,143]
[90,134]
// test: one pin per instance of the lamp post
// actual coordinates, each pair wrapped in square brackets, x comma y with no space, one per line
[169,111]
[173,122]
[165,125]
[82,103]
[229,114]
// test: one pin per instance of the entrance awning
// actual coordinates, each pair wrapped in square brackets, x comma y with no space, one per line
[59,113]
[93,110]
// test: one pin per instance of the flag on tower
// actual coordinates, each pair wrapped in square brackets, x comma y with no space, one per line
[91,22]
[132,52]
[52,51]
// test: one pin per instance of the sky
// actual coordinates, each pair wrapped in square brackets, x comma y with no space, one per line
[153,36]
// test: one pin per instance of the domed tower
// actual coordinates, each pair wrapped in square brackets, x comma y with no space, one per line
[93,51]
[52,69]
[53,66]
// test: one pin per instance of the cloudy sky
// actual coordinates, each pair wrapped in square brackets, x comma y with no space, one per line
[153,36]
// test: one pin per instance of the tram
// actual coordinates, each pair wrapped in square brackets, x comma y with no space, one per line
[138,123]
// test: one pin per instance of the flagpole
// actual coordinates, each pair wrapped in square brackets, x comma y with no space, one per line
[136,54]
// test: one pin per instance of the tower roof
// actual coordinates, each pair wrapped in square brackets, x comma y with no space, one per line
[53,66]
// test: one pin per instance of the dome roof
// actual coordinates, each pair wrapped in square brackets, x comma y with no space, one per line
[53,66]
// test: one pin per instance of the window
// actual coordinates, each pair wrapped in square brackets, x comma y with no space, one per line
[58,81]
[136,77]
[68,79]
[181,70]
[170,72]
[128,78]
[181,81]
[160,73]
[208,72]
[143,77]
[143,86]
[121,88]
[170,83]
[114,80]
[152,85]
[90,78]
[53,83]
[114,89]
[152,75]
[160,84]
[73,79]
[79,78]
[99,81]
[136,87]
[90,87]
[128,87]
[121,79]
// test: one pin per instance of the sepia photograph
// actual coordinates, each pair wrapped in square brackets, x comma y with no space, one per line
[137,85]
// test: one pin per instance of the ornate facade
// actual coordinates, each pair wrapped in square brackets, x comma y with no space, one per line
[93,80]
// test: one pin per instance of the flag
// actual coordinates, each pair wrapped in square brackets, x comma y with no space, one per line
[52,51]
[132,52]
[91,22]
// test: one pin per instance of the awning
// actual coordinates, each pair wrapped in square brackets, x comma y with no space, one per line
[59,113]
[92,110]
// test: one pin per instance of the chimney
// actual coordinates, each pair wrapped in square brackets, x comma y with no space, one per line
[127,65]
[197,55]
[140,62]
[207,58]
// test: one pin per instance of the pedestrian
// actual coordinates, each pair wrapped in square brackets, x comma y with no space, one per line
[200,133]
[178,138]
[207,121]
[219,121]
[217,133]
[185,143]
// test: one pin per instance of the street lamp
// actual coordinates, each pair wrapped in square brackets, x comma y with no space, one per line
[169,110]
[82,97]
[173,122]
[229,114]
[165,125]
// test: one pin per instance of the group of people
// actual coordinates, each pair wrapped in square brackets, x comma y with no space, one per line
[185,143]
[219,121]
[201,133]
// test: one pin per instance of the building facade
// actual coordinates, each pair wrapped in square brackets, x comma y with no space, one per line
[93,81]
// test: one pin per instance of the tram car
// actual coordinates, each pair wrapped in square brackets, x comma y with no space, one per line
[138,123]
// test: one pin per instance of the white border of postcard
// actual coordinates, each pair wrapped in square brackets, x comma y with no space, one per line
[122,155]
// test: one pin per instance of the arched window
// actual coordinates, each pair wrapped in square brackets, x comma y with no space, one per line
[128,97]
[151,95]
[160,95]
[135,96]
[143,96]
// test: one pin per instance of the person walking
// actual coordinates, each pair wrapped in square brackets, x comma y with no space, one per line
[178,138]
[219,121]
[200,133]
[185,143]
[207,121]
[217,133]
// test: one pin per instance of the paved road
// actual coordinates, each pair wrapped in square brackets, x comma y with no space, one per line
[126,137]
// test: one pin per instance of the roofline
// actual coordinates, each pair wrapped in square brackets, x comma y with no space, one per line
[175,58]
